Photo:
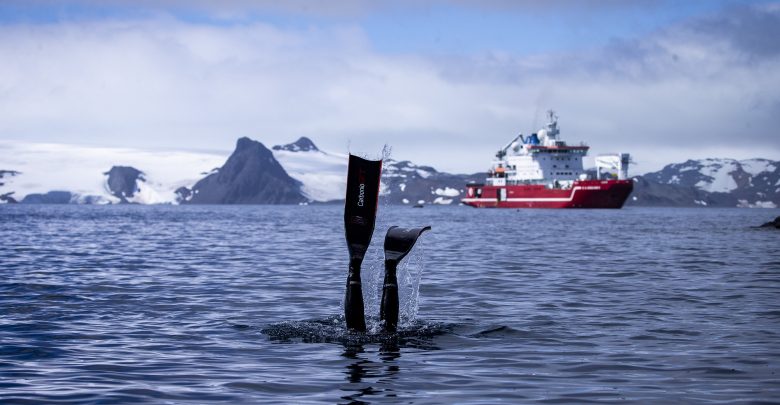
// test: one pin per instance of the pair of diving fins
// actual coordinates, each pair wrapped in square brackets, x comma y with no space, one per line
[363,180]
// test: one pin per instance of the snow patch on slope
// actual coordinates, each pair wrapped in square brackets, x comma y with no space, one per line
[150,194]
[423,173]
[757,204]
[79,169]
[757,166]
[720,171]
[322,174]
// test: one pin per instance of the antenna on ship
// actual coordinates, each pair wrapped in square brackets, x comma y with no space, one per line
[552,124]
[536,116]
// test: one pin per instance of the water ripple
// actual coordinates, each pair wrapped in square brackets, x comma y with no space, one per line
[239,304]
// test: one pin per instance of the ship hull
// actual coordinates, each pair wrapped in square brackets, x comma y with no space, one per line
[582,194]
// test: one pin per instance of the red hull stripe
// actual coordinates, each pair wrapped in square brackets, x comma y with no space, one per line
[540,199]
[535,199]
[589,194]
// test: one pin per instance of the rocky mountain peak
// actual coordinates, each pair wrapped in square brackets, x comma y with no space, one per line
[303,144]
[245,143]
[251,175]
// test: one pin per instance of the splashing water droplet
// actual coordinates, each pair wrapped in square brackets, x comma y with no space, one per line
[410,274]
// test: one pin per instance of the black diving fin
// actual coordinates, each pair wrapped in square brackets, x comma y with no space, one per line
[398,243]
[363,177]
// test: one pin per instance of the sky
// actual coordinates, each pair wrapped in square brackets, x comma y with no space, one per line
[444,83]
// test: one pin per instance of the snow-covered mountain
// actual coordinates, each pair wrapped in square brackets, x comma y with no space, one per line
[82,171]
[57,174]
[300,172]
[303,144]
[711,182]
[407,183]
[322,174]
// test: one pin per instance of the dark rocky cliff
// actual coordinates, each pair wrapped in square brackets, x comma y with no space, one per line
[123,182]
[251,175]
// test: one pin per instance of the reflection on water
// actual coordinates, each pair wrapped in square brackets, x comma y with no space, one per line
[368,378]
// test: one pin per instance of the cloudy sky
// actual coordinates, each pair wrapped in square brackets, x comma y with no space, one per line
[444,83]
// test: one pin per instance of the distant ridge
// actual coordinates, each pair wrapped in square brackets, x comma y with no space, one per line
[52,197]
[300,172]
[712,183]
[303,144]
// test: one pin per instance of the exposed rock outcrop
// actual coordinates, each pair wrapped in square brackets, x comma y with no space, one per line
[251,175]
[52,197]
[772,224]
[8,198]
[651,194]
[303,144]
[183,195]
[123,182]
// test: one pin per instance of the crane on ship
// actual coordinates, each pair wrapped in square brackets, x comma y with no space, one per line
[551,131]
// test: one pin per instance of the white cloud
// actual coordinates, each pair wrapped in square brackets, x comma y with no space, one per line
[164,83]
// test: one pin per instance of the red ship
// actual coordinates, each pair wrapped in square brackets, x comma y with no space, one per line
[542,171]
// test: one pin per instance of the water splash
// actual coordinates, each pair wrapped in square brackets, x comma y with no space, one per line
[373,276]
[419,334]
[410,273]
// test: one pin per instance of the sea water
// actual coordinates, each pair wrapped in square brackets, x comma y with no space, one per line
[170,304]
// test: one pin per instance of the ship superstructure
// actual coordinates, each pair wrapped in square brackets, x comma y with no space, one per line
[542,171]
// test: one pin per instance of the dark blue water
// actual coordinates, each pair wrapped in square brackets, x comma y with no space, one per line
[242,304]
